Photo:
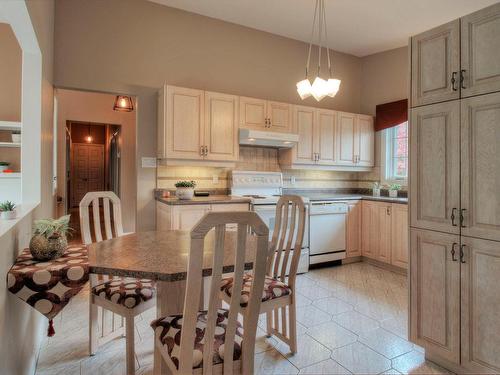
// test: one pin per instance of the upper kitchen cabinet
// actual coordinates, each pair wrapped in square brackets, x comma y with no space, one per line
[435,167]
[304,124]
[197,126]
[480,136]
[259,114]
[346,138]
[221,127]
[325,140]
[480,49]
[180,123]
[364,141]
[435,65]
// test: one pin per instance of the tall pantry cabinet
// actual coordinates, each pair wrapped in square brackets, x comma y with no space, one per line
[455,193]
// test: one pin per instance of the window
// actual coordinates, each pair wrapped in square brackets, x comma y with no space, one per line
[396,154]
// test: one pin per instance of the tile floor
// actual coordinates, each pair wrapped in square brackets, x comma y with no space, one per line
[351,319]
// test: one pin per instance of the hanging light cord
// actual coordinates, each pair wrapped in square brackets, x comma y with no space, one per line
[312,36]
[326,42]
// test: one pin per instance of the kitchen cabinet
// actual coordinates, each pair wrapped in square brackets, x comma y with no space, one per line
[369,229]
[197,125]
[480,52]
[384,217]
[353,237]
[399,235]
[304,123]
[435,167]
[364,141]
[435,293]
[325,136]
[259,114]
[346,138]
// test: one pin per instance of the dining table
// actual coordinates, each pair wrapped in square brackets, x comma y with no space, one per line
[162,256]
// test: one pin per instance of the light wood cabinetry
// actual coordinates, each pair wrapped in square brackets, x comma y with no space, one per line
[325,137]
[259,114]
[304,124]
[480,52]
[353,239]
[435,167]
[435,293]
[346,138]
[279,117]
[364,141]
[399,235]
[385,232]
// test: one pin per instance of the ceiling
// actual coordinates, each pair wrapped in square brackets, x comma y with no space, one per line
[357,27]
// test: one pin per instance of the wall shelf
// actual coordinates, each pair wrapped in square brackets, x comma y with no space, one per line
[10,125]
[9,144]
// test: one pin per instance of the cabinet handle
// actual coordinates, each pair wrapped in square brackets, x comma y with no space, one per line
[462,254]
[462,79]
[462,218]
[452,217]
[453,252]
[388,210]
[453,81]
[202,150]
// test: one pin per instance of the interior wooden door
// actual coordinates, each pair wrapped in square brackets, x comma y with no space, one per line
[304,121]
[185,123]
[87,170]
[346,138]
[353,239]
[221,126]
[435,293]
[480,50]
[253,113]
[384,232]
[480,166]
[280,116]
[480,305]
[435,167]
[326,140]
[399,235]
[364,146]
[435,65]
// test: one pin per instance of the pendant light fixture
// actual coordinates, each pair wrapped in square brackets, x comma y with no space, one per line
[89,138]
[320,87]
[123,104]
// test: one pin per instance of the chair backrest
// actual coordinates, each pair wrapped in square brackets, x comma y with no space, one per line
[218,220]
[94,199]
[288,236]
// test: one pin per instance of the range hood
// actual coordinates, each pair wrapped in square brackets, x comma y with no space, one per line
[267,139]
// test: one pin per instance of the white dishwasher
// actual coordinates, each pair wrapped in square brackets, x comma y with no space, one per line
[327,231]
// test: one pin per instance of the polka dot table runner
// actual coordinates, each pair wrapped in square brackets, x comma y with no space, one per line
[49,285]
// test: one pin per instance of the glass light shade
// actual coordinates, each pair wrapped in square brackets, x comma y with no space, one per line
[304,88]
[333,86]
[319,88]
[123,104]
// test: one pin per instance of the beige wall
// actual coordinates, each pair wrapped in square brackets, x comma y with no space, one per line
[22,328]
[95,107]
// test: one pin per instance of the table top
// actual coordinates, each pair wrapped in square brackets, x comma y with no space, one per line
[160,255]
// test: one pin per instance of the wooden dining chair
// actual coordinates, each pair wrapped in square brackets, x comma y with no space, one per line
[282,263]
[126,297]
[215,341]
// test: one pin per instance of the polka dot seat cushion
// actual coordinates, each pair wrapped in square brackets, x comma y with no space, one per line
[169,329]
[128,292]
[272,288]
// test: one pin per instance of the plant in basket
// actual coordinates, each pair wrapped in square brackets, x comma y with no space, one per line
[50,238]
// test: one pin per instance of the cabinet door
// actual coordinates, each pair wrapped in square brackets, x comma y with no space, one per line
[480,166]
[326,136]
[345,138]
[480,39]
[163,221]
[435,56]
[186,216]
[480,305]
[253,113]
[221,126]
[185,117]
[369,229]
[280,116]
[399,235]
[435,293]
[353,243]
[384,232]
[435,167]
[364,146]
[305,125]
[228,208]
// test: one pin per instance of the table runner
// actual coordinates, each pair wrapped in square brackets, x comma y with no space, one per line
[49,285]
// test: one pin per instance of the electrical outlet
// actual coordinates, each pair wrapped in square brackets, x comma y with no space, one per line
[215,179]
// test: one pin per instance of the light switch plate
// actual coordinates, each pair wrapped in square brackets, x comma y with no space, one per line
[148,162]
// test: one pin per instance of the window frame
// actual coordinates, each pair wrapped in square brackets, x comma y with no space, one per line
[387,158]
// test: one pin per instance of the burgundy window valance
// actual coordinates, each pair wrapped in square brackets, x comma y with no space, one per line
[391,114]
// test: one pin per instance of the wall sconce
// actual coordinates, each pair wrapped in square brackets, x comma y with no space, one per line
[123,104]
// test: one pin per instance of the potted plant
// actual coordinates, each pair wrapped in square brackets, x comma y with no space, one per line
[376,189]
[16,136]
[7,210]
[185,189]
[49,239]
[4,165]
[393,190]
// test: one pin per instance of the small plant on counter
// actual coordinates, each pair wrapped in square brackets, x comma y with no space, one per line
[49,239]
[185,189]
[4,165]
[7,210]
[393,190]
[376,189]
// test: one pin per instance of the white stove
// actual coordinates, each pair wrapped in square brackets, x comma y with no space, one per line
[265,189]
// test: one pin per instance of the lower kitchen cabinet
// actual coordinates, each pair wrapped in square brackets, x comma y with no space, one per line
[353,237]
[399,235]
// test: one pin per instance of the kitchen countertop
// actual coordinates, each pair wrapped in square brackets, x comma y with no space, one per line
[211,199]
[339,197]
